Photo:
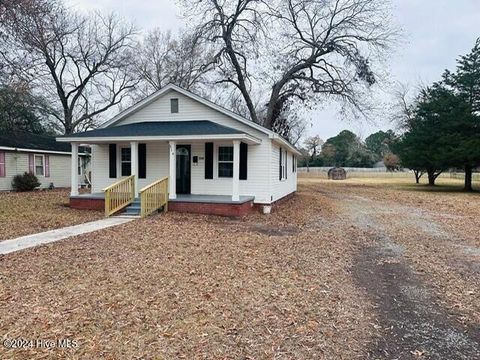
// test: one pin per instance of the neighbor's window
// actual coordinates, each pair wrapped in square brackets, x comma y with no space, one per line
[126,161]
[39,165]
[225,161]
[174,106]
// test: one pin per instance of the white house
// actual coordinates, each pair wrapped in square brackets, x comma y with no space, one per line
[41,155]
[218,159]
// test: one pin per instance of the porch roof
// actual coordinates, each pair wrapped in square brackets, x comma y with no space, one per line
[160,130]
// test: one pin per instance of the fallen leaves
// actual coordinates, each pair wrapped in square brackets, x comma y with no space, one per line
[37,211]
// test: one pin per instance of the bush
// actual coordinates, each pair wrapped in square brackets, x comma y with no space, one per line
[25,182]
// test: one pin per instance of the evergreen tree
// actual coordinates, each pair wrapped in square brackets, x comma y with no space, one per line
[439,134]
[465,82]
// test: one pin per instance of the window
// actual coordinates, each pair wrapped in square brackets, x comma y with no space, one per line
[39,165]
[174,106]
[283,164]
[294,163]
[225,161]
[126,161]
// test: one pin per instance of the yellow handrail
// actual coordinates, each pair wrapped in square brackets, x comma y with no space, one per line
[119,195]
[154,196]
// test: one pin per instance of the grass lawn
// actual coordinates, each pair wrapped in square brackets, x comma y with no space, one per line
[32,212]
[321,277]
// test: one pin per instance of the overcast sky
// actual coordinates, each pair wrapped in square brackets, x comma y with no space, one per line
[436,32]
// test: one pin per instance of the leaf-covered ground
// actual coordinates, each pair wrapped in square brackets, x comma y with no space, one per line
[37,211]
[329,275]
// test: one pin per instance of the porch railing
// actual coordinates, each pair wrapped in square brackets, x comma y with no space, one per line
[153,197]
[119,195]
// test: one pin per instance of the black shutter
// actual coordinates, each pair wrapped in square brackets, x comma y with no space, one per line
[280,166]
[112,159]
[209,160]
[243,161]
[142,161]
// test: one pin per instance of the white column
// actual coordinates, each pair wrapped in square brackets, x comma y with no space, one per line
[172,180]
[236,171]
[134,164]
[74,174]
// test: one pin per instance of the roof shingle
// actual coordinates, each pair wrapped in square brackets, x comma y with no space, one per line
[160,128]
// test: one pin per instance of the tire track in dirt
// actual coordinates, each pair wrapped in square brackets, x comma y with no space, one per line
[412,322]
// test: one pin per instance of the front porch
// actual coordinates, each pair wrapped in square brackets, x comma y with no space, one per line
[188,157]
[189,203]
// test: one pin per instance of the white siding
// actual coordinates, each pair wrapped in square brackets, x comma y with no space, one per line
[262,168]
[188,109]
[17,163]
[281,188]
[157,167]
[157,164]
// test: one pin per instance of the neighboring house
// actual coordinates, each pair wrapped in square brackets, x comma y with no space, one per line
[41,155]
[221,162]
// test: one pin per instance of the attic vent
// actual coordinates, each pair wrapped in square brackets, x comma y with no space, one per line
[174,106]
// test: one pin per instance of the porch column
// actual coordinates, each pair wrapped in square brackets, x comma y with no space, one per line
[74,174]
[172,180]
[134,163]
[236,171]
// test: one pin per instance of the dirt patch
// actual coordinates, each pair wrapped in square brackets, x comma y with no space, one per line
[411,321]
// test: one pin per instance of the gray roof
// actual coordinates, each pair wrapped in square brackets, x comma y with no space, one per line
[160,128]
[25,140]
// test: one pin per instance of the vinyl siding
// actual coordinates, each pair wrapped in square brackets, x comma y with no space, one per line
[157,167]
[188,109]
[262,171]
[17,163]
[281,188]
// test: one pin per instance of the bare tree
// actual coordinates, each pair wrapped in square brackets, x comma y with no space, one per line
[232,26]
[81,63]
[313,145]
[164,58]
[310,48]
[403,106]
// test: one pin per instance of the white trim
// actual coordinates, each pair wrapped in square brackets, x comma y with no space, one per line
[225,162]
[35,164]
[172,168]
[126,162]
[39,151]
[74,171]
[248,138]
[236,171]
[281,141]
[149,99]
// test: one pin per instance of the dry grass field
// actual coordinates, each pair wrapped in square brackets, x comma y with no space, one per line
[37,211]
[358,269]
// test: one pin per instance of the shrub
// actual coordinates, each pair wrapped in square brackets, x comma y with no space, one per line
[25,182]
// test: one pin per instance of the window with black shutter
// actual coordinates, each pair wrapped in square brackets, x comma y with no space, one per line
[243,161]
[280,171]
[142,161]
[112,161]
[209,160]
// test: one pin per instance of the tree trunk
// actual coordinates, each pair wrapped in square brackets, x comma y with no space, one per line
[417,176]
[431,177]
[468,178]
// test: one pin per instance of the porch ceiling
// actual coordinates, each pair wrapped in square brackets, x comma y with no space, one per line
[161,130]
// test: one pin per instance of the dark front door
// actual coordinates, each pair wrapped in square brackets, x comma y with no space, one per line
[183,169]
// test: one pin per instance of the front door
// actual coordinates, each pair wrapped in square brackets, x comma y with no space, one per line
[183,169]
